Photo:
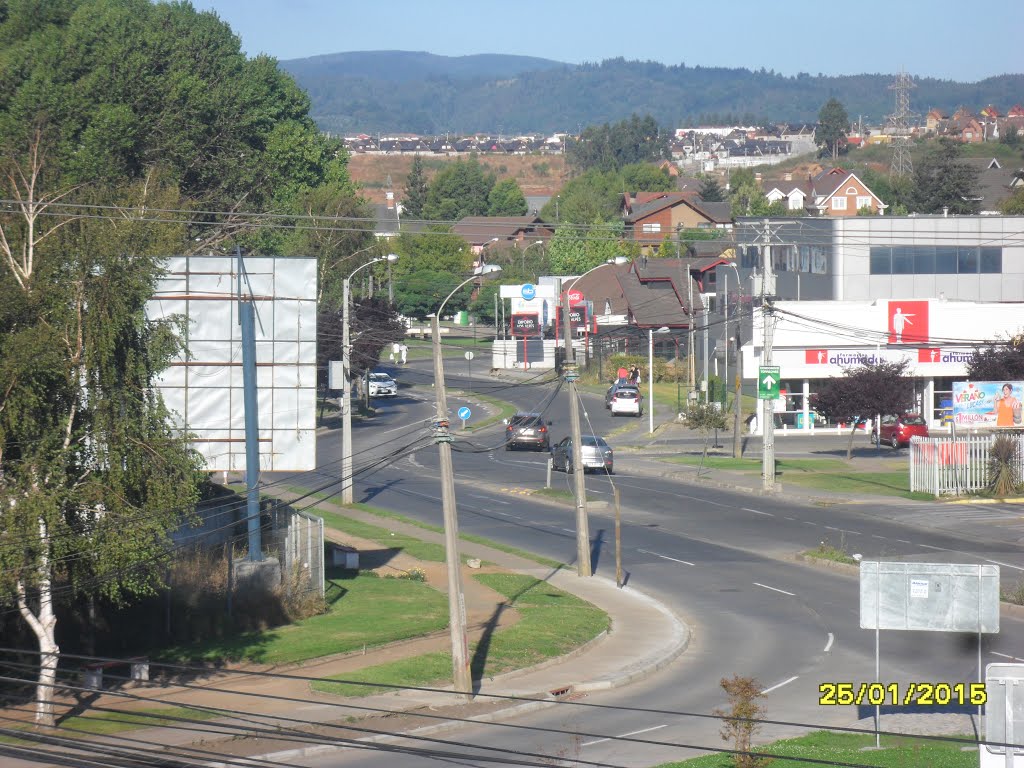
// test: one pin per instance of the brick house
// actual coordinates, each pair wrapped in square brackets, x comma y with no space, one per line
[650,222]
[838,192]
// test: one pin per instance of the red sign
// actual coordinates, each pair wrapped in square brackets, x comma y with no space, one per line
[575,297]
[929,355]
[908,322]
[816,356]
[525,325]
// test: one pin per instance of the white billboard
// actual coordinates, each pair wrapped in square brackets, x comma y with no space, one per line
[203,387]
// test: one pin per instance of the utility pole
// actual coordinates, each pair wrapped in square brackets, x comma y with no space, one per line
[247,319]
[571,373]
[768,323]
[737,426]
[346,396]
[691,340]
[456,603]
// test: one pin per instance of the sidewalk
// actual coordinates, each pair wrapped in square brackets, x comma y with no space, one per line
[645,636]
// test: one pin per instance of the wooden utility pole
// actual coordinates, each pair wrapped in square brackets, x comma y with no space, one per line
[571,372]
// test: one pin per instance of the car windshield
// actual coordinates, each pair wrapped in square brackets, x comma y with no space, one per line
[524,421]
[379,377]
[913,419]
[592,440]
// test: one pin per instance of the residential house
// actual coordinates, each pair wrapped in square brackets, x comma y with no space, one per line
[934,119]
[995,182]
[650,222]
[838,192]
[793,193]
[481,231]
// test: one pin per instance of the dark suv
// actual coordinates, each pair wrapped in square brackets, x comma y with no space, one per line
[527,429]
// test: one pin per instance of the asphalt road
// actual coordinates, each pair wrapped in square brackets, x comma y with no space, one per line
[720,559]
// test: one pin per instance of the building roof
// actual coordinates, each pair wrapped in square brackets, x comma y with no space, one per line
[477,230]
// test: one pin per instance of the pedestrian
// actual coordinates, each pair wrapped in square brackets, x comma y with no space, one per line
[634,375]
[404,350]
[394,351]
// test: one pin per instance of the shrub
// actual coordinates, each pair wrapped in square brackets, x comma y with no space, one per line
[740,720]
[1003,463]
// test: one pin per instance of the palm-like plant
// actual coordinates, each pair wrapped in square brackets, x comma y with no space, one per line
[1004,466]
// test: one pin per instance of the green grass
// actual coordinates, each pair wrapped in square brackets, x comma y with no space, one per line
[105,723]
[552,623]
[896,752]
[824,474]
[504,410]
[362,610]
[421,550]
[559,494]
[826,551]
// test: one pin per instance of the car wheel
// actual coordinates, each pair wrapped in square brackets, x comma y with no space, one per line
[895,442]
[611,471]
[508,446]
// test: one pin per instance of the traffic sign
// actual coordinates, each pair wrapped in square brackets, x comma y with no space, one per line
[465,413]
[575,297]
[529,291]
[469,355]
[768,378]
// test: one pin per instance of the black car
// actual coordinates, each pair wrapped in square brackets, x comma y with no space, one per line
[529,430]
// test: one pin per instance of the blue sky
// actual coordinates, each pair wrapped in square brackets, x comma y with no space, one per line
[936,38]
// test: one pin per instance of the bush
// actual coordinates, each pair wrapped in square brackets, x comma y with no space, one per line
[1003,457]
[740,721]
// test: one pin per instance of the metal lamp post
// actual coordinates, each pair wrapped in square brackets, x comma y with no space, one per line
[535,242]
[462,678]
[346,396]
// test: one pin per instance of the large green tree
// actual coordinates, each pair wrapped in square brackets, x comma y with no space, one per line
[415,190]
[461,189]
[506,199]
[944,182]
[431,264]
[833,128]
[998,362]
[128,131]
[610,147]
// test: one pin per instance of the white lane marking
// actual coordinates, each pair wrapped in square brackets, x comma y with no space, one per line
[791,518]
[775,589]
[779,685]
[1005,565]
[833,528]
[828,645]
[904,541]
[488,498]
[757,512]
[927,546]
[622,736]
[876,536]
[1005,656]
[664,557]
[808,522]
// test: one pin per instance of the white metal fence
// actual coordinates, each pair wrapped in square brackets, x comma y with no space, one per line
[954,466]
[297,538]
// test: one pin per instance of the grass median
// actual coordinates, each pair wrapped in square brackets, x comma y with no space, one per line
[552,623]
[849,749]
[833,475]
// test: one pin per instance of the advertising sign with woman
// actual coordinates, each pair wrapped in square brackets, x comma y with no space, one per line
[988,404]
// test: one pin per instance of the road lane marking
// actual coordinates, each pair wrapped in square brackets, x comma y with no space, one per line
[927,546]
[904,541]
[876,536]
[791,518]
[779,685]
[623,735]
[1005,656]
[808,522]
[775,589]
[665,557]
[828,645]
[1006,565]
[757,512]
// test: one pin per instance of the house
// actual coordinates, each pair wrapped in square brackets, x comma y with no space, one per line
[650,222]
[480,231]
[995,182]
[838,192]
[794,194]
[934,119]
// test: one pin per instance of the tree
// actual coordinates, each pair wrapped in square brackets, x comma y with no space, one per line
[998,362]
[1014,204]
[431,264]
[864,391]
[944,182]
[415,190]
[460,190]
[833,128]
[373,324]
[705,418]
[711,191]
[610,147]
[740,722]
[506,199]
[646,177]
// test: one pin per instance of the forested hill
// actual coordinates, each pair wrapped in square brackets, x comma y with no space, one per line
[421,93]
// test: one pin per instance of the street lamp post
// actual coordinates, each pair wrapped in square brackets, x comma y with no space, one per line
[737,437]
[462,678]
[346,395]
[523,261]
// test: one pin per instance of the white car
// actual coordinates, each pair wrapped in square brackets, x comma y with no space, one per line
[627,400]
[382,385]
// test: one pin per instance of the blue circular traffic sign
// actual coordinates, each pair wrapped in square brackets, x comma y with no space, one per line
[464,413]
[529,291]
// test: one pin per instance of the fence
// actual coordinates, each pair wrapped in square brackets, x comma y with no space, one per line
[954,466]
[297,538]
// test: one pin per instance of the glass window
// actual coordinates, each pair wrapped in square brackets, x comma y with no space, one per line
[863,201]
[654,227]
[902,260]
[881,260]
[838,203]
[924,260]
[992,261]
[945,260]
[967,261]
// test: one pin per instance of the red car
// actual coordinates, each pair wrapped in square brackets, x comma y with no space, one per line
[897,430]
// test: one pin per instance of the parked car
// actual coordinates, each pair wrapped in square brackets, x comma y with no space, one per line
[596,453]
[527,429]
[382,385]
[897,430]
[627,400]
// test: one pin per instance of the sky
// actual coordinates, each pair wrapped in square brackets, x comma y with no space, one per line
[945,39]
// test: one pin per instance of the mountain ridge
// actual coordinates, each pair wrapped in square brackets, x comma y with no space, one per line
[420,92]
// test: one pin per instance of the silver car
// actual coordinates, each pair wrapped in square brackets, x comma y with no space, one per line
[382,385]
[597,455]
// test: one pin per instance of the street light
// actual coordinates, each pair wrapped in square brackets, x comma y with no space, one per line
[536,242]
[462,678]
[346,397]
[650,374]
[325,268]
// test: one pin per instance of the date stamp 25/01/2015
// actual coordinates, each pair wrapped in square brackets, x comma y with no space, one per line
[895,694]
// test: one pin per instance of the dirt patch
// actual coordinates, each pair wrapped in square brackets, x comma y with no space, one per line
[535,174]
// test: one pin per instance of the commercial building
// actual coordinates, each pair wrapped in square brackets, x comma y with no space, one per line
[923,288]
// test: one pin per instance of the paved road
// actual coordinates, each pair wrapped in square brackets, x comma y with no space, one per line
[715,556]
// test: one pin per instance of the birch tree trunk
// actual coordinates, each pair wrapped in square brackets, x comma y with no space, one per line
[44,624]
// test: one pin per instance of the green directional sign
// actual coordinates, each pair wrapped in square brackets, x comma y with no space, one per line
[768,382]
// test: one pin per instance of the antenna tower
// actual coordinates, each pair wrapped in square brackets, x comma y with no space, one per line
[899,127]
